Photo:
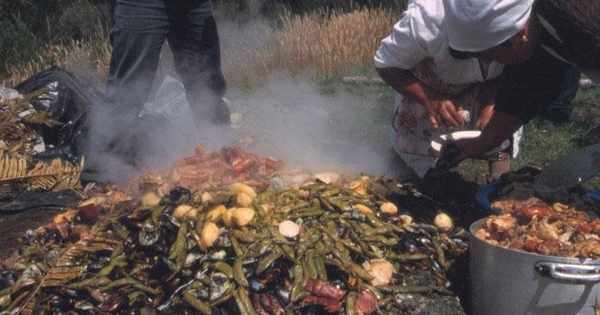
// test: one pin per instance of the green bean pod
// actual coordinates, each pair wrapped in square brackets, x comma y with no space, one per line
[196,304]
[91,282]
[223,298]
[388,241]
[242,237]
[238,272]
[380,230]
[288,251]
[406,257]
[376,292]
[268,260]
[374,252]
[359,271]
[243,293]
[237,247]
[394,289]
[320,266]
[310,268]
[441,255]
[299,282]
[223,267]
[351,303]
[242,308]
[178,250]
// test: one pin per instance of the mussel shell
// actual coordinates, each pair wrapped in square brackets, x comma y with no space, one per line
[176,196]
[84,305]
[219,285]
[149,234]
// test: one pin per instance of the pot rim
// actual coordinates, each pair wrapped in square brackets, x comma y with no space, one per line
[485,194]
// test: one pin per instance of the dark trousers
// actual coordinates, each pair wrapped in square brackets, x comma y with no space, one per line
[117,132]
[560,109]
[141,28]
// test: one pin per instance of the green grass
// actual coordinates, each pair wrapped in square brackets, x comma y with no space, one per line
[544,142]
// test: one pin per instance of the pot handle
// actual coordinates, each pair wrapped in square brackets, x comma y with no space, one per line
[568,272]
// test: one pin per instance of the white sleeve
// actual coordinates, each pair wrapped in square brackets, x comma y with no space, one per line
[408,43]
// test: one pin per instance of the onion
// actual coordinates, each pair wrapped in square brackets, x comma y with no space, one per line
[289,229]
[443,221]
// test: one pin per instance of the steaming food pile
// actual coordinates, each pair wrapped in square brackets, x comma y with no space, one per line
[531,224]
[220,233]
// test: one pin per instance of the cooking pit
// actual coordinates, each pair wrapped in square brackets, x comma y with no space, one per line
[229,232]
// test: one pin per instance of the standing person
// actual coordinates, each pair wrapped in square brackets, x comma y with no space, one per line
[538,40]
[561,108]
[434,88]
[139,31]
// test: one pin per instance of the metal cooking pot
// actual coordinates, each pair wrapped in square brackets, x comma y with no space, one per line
[510,282]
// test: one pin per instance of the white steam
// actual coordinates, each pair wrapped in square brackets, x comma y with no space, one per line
[290,119]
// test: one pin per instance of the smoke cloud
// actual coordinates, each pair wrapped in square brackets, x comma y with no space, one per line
[289,119]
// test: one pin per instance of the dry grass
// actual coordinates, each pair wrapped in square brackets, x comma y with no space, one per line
[321,44]
[91,57]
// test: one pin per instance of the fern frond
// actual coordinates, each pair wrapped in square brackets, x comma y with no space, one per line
[68,267]
[59,175]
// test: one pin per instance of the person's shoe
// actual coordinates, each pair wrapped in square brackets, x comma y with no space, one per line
[223,115]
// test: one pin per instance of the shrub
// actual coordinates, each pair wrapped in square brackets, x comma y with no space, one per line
[79,21]
[17,43]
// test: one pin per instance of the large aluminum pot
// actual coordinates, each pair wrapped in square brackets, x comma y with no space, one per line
[510,282]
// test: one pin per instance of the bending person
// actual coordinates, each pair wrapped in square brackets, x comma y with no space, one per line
[537,40]
[435,89]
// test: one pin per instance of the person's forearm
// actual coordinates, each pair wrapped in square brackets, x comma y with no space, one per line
[441,108]
[405,83]
[488,91]
[500,127]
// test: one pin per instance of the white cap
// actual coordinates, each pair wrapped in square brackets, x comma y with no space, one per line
[476,25]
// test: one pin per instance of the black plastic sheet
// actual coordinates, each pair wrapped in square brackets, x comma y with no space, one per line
[68,97]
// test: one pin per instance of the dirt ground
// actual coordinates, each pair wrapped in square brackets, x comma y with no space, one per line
[14,226]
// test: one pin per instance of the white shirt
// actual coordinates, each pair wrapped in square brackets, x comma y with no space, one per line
[420,37]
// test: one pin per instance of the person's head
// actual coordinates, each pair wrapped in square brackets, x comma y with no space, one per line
[492,30]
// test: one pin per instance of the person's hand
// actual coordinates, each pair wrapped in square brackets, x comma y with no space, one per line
[484,117]
[500,127]
[469,148]
[443,112]
[454,152]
